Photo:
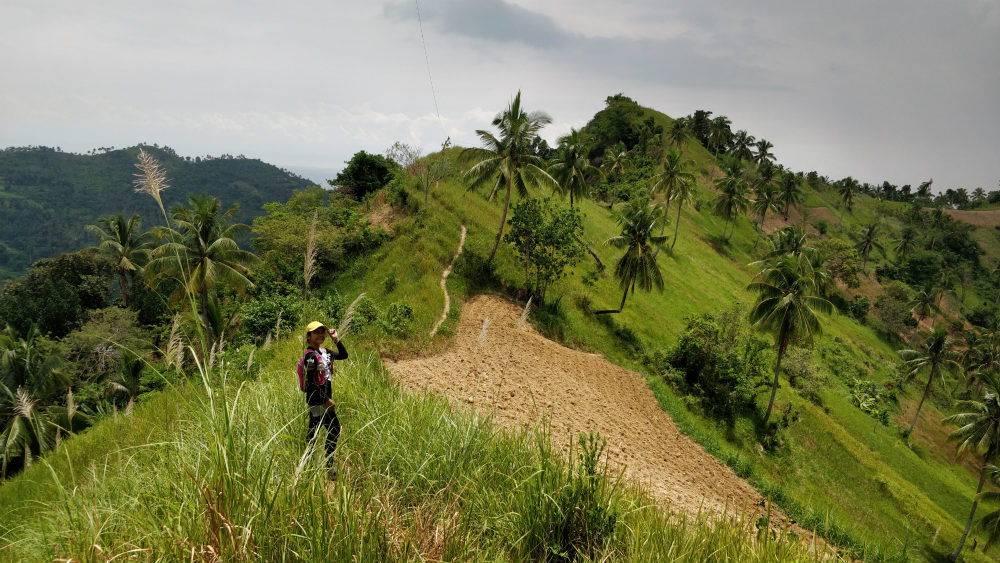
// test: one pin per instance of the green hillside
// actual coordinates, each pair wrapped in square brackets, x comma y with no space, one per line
[211,464]
[48,196]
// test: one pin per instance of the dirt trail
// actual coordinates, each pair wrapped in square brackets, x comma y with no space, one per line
[444,285]
[520,376]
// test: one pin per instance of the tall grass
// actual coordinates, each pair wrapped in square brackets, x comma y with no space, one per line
[419,479]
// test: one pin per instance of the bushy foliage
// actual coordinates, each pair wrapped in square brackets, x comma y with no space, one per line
[802,374]
[97,346]
[547,238]
[262,314]
[719,361]
[873,399]
[841,260]
[365,174]
[397,318]
[56,293]
[622,120]
[892,307]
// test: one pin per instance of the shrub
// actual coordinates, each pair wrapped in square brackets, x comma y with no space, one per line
[803,375]
[397,318]
[822,226]
[261,314]
[721,361]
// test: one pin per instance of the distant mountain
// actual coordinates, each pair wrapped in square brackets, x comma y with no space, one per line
[48,196]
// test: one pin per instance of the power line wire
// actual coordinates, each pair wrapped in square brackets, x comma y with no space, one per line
[427,60]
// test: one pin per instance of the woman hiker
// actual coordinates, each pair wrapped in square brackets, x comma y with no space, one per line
[316,372]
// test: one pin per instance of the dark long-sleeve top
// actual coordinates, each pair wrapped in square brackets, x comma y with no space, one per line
[318,388]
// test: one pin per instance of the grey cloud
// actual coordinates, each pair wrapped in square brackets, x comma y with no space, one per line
[678,61]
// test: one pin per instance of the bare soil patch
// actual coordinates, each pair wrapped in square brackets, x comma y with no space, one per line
[983,219]
[521,377]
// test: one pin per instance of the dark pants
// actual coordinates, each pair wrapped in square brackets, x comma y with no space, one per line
[332,424]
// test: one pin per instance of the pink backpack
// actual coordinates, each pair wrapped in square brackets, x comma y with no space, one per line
[302,370]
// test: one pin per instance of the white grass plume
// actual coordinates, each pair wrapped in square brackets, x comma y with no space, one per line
[151,179]
[345,323]
[524,313]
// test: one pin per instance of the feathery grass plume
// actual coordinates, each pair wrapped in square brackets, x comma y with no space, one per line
[482,331]
[70,407]
[345,323]
[277,326]
[250,359]
[309,263]
[175,345]
[211,354]
[524,313]
[152,179]
[267,341]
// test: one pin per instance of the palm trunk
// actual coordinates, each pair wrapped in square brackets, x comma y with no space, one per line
[620,307]
[600,265]
[927,391]
[677,226]
[123,287]
[774,386]
[503,221]
[614,191]
[975,502]
[725,227]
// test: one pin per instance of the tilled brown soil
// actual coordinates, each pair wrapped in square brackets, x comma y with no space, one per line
[520,377]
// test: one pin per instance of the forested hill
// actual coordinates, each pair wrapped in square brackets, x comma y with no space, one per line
[48,196]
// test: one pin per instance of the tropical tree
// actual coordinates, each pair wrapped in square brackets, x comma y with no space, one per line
[765,199]
[790,192]
[121,241]
[979,432]
[638,265]
[906,243]
[935,355]
[201,250]
[733,188]
[786,307]
[740,145]
[679,131]
[507,162]
[675,177]
[571,168]
[868,241]
[848,188]
[764,153]
[719,134]
[614,164]
[925,302]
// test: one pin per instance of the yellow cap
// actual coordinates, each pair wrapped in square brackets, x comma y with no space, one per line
[314,325]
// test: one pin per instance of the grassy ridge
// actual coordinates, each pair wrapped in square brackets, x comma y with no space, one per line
[839,462]
[231,479]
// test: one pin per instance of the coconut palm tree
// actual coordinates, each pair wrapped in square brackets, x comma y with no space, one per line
[683,193]
[679,132]
[638,220]
[979,432]
[740,145]
[571,168]
[733,188]
[790,192]
[786,307]
[925,302]
[719,134]
[122,242]
[614,164]
[507,162]
[675,174]
[848,188]
[868,241]
[906,243]
[936,355]
[765,199]
[201,250]
[764,153]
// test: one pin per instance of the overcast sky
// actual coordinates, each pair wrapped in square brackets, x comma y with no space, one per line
[897,90]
